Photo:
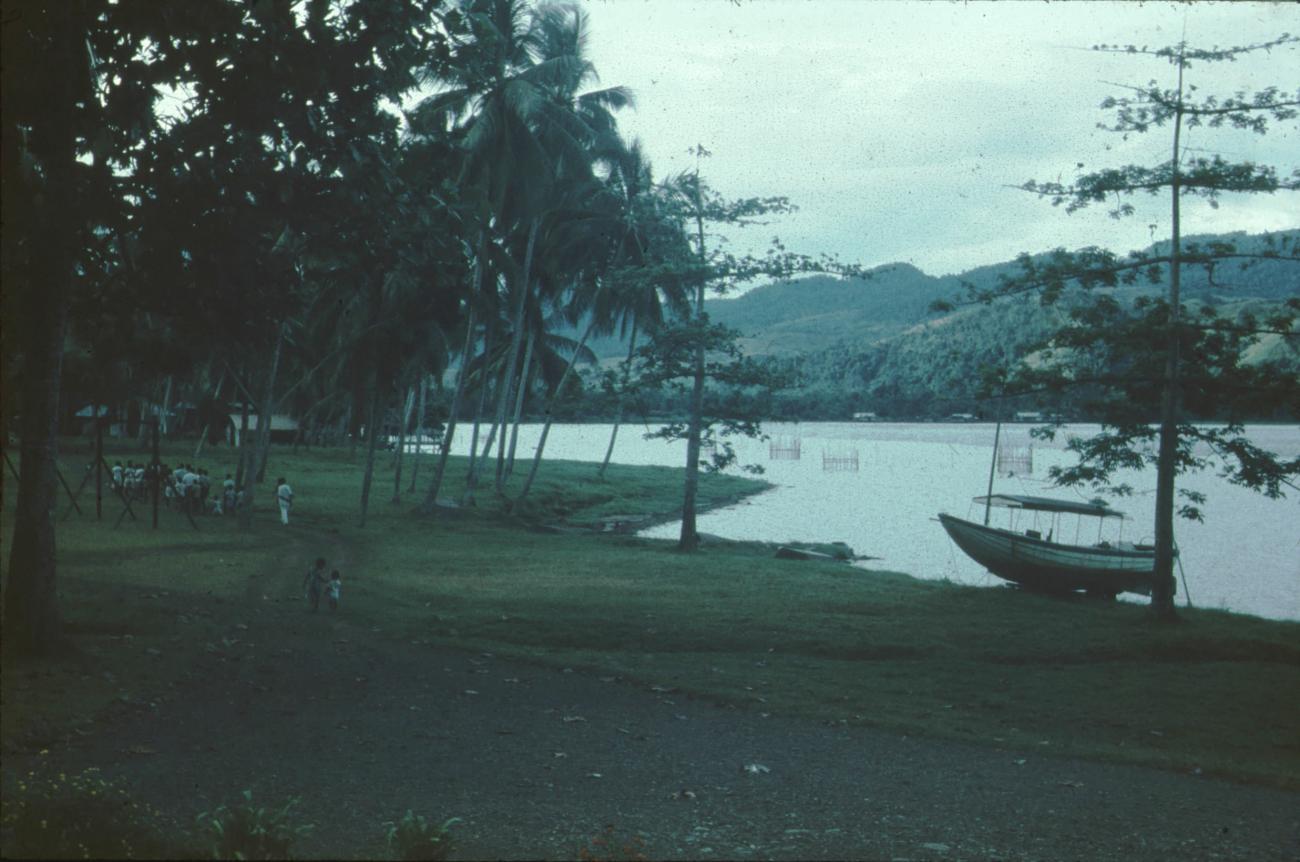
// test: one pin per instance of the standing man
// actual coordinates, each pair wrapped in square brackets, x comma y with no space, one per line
[284,495]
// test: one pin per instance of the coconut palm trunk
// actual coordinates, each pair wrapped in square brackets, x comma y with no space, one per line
[207,426]
[430,505]
[622,400]
[372,439]
[267,408]
[401,445]
[516,336]
[419,434]
[525,373]
[549,418]
[471,476]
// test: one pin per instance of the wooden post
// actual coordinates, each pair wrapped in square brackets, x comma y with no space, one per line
[993,467]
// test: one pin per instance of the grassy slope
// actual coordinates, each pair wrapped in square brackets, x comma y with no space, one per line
[828,641]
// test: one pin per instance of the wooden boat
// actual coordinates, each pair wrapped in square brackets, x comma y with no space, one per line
[1044,565]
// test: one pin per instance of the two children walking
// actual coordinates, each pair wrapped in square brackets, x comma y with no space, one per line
[316,583]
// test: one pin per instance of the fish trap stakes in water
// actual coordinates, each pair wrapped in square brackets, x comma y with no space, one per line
[785,449]
[1016,461]
[846,462]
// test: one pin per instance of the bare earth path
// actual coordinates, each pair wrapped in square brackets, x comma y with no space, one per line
[536,761]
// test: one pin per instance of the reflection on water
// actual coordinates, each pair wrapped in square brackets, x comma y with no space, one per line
[878,487]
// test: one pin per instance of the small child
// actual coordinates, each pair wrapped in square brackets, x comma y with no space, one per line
[313,582]
[335,585]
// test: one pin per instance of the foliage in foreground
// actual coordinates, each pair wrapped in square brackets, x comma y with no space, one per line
[82,816]
[414,837]
[248,831]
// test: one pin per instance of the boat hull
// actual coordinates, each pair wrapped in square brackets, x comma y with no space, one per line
[1052,567]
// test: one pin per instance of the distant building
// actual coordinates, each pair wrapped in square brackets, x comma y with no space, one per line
[865,417]
[1029,416]
[961,417]
[284,428]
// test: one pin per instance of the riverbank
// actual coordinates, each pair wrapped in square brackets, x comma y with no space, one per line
[169,619]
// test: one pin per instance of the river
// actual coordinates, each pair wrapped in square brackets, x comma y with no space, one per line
[878,486]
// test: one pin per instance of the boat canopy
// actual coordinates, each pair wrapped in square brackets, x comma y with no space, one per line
[1049,504]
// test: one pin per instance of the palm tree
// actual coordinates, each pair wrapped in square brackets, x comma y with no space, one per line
[637,303]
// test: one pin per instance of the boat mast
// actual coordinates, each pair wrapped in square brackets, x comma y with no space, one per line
[993,466]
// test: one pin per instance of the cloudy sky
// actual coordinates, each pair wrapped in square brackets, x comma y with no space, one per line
[899,127]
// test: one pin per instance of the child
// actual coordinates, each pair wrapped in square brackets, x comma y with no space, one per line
[335,585]
[313,582]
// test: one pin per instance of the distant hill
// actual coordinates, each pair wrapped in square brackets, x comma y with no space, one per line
[874,345]
[814,313]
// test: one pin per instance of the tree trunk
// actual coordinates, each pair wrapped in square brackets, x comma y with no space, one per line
[32,623]
[622,397]
[690,537]
[203,435]
[471,476]
[419,434]
[242,470]
[516,344]
[430,505]
[548,420]
[265,412]
[401,445]
[372,437]
[1163,586]
[163,426]
[525,375]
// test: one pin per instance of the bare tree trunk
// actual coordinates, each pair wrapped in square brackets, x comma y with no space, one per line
[32,623]
[622,397]
[372,437]
[471,477]
[244,495]
[203,435]
[431,496]
[419,433]
[549,419]
[1163,586]
[690,537]
[265,412]
[163,425]
[516,344]
[401,444]
[525,376]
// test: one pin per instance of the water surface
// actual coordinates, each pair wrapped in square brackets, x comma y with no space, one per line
[1245,557]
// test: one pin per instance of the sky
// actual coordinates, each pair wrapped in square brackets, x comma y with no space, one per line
[900,129]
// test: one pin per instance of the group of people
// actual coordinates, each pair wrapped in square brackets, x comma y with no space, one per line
[191,490]
[183,488]
[315,584]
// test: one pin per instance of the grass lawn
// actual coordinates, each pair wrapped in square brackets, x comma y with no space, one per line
[1216,692]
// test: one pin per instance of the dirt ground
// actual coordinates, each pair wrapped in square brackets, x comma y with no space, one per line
[537,761]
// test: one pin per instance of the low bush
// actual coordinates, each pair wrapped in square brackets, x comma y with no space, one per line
[248,831]
[83,816]
[416,839]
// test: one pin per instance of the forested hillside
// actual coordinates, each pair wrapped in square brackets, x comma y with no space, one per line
[875,345]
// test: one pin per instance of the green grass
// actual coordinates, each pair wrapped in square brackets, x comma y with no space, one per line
[1216,692]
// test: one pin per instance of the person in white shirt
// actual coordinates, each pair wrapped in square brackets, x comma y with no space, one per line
[284,495]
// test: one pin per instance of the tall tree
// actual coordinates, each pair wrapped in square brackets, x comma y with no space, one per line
[40,179]
[709,268]
[1155,341]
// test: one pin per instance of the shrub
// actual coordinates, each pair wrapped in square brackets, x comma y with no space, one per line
[415,839]
[83,816]
[246,831]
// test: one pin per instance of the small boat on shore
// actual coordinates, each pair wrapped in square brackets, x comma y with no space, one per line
[1026,558]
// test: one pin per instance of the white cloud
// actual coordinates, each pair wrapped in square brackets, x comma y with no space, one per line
[897,126]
